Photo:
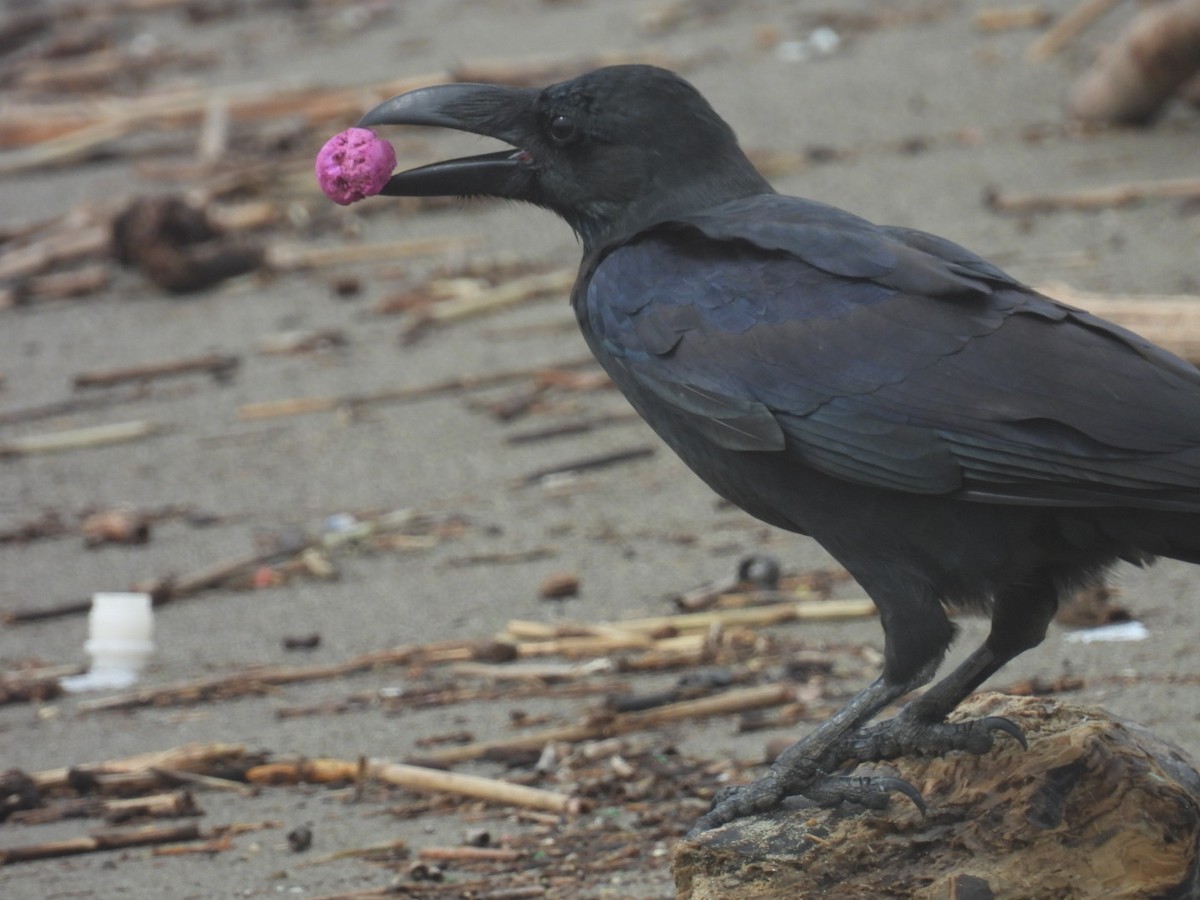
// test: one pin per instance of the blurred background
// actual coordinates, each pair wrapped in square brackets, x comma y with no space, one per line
[313,433]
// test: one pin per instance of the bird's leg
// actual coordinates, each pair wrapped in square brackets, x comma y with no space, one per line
[916,633]
[920,728]
[802,767]
[1020,618]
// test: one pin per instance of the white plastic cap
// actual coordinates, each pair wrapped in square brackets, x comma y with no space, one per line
[120,632]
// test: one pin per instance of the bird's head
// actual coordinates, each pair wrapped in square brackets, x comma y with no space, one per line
[611,151]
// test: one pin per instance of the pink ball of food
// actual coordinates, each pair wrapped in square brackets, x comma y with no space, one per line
[354,164]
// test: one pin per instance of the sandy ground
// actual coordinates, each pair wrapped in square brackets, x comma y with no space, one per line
[926,112]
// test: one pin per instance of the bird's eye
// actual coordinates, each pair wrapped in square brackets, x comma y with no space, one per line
[563,130]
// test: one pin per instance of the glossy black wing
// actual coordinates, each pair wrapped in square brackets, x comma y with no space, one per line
[891,358]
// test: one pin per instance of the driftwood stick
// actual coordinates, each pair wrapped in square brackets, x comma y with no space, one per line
[294,257]
[471,854]
[77,438]
[389,890]
[26,688]
[91,71]
[754,616]
[586,647]
[531,673]
[572,429]
[200,779]
[101,840]
[301,340]
[658,652]
[71,147]
[219,365]
[69,240]
[757,616]
[1068,28]
[67,407]
[215,687]
[170,588]
[49,134]
[175,804]
[1090,199]
[258,101]
[395,849]
[255,679]
[1008,18]
[23,25]
[248,216]
[163,590]
[41,614]
[189,758]
[303,405]
[535,71]
[684,639]
[77,282]
[319,770]
[683,652]
[64,132]
[598,727]
[417,778]
[464,302]
[213,141]
[210,846]
[1171,321]
[590,463]
[292,406]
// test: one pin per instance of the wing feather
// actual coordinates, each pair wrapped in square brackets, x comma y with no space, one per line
[893,359]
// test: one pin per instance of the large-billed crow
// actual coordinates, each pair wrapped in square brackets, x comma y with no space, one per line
[952,437]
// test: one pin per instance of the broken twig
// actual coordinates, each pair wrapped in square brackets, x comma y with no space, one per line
[219,365]
[416,778]
[589,463]
[304,405]
[1170,321]
[1090,199]
[77,438]
[101,840]
[595,727]
[1068,28]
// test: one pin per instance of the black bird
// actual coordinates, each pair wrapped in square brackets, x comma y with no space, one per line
[950,436]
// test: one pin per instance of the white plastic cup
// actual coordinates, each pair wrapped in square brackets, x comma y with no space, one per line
[120,632]
[120,640]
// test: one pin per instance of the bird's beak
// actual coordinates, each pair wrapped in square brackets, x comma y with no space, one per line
[505,113]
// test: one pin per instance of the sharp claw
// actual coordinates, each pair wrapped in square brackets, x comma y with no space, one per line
[900,786]
[999,723]
[705,823]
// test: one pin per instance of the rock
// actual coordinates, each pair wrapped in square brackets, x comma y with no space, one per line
[1132,81]
[1097,807]
[176,245]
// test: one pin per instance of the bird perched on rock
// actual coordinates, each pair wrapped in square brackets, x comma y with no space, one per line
[949,435]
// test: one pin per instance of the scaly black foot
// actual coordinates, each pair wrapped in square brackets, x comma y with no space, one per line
[795,774]
[909,735]
[870,791]
[769,792]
